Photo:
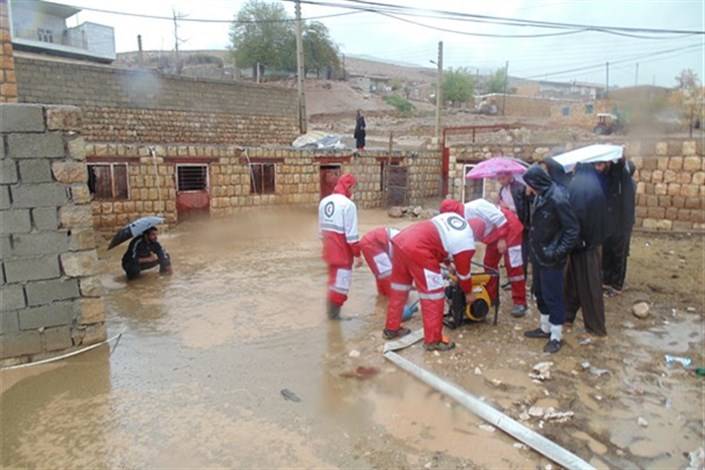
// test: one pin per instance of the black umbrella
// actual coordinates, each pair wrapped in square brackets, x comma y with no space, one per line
[133,229]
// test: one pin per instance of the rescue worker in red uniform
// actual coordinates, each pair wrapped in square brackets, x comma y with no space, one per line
[419,251]
[337,222]
[376,248]
[502,233]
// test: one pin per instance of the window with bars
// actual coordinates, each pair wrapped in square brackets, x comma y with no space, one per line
[108,180]
[45,35]
[191,177]
[262,178]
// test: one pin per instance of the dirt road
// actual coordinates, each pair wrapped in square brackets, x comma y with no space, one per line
[215,357]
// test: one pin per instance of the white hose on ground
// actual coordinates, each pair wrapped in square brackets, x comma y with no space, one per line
[64,356]
[531,438]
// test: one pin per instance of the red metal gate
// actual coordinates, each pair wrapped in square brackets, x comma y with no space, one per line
[192,196]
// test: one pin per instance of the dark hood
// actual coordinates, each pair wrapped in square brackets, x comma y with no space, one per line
[590,205]
[556,171]
[537,178]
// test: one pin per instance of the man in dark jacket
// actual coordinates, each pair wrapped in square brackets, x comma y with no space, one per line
[554,231]
[583,284]
[621,194]
[145,252]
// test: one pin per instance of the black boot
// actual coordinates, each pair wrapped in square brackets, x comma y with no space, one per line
[333,311]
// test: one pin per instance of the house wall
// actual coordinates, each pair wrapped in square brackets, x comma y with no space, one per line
[50,299]
[144,106]
[297,178]
[8,84]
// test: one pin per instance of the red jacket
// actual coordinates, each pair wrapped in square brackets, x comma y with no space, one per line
[337,222]
[445,236]
[511,231]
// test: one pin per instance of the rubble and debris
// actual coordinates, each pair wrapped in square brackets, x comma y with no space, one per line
[696,459]
[690,309]
[557,416]
[536,411]
[354,353]
[478,371]
[541,371]
[641,309]
[289,395]
[642,422]
[318,140]
[361,373]
[395,212]
[487,427]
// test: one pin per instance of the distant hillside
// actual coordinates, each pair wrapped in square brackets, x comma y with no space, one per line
[363,65]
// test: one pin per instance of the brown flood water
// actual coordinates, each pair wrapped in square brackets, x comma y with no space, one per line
[196,379]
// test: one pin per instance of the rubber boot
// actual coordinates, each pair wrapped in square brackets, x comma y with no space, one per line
[333,311]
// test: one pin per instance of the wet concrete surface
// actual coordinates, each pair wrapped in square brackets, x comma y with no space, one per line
[196,379]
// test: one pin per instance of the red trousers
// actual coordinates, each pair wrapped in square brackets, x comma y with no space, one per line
[339,280]
[424,271]
[513,264]
[380,264]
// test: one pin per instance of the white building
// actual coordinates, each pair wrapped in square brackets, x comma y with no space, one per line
[40,26]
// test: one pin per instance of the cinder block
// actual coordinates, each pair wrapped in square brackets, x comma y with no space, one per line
[20,344]
[15,221]
[38,195]
[57,339]
[80,263]
[55,314]
[75,216]
[44,292]
[40,243]
[35,171]
[9,323]
[4,197]
[32,269]
[21,118]
[11,297]
[49,145]
[45,218]
[8,171]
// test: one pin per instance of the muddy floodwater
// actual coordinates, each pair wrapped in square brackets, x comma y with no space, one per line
[231,362]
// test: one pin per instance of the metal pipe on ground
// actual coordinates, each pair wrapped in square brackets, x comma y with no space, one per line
[498,419]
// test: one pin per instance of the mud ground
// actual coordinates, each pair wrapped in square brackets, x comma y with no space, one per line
[197,377]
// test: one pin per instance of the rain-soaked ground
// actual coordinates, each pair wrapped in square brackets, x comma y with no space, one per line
[197,377]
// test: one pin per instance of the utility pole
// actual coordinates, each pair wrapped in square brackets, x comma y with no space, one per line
[506,82]
[607,79]
[439,92]
[300,69]
[636,75]
[140,54]
[177,60]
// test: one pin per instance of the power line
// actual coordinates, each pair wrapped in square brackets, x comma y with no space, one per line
[596,66]
[508,20]
[209,20]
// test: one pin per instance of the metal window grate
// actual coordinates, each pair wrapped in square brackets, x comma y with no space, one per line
[472,189]
[191,177]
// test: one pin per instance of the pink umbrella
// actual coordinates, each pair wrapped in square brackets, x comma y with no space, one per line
[490,168]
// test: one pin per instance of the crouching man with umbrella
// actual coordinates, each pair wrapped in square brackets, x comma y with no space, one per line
[144,251]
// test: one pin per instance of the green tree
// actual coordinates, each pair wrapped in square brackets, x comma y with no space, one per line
[458,85]
[262,35]
[496,82]
[320,52]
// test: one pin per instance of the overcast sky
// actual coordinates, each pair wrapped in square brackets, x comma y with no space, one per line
[373,35]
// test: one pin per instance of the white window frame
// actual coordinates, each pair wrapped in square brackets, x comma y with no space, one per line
[112,178]
[208,177]
[466,168]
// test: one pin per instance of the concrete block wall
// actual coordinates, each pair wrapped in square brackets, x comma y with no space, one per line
[148,107]
[50,299]
[8,83]
[297,178]
[670,177]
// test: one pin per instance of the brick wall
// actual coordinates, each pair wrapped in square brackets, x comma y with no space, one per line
[49,297]
[8,86]
[297,177]
[145,106]
[670,177]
